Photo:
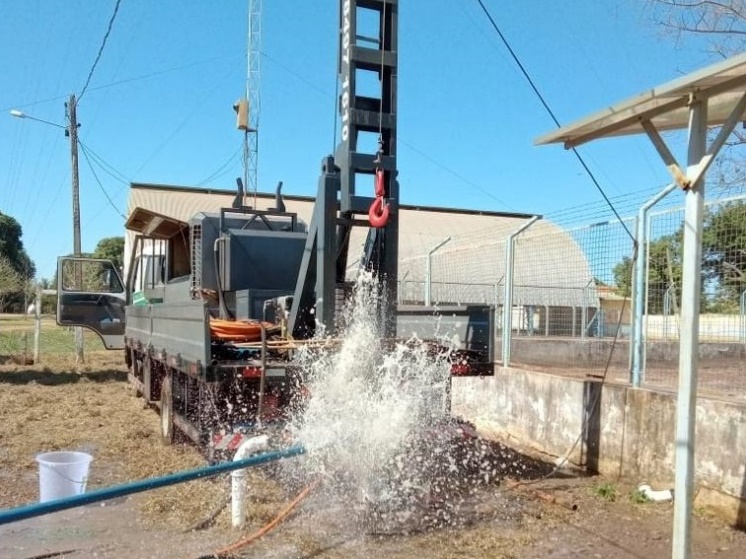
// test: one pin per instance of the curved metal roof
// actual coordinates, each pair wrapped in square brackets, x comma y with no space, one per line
[551,269]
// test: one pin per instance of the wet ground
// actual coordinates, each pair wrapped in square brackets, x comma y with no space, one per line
[512,525]
[47,409]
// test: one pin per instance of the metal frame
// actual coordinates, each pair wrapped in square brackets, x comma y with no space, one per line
[713,96]
[324,264]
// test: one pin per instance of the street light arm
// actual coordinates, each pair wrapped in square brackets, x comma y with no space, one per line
[20,114]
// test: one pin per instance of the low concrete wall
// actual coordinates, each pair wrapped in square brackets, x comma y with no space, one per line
[628,432]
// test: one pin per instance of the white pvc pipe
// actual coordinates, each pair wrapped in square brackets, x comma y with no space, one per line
[238,478]
[652,495]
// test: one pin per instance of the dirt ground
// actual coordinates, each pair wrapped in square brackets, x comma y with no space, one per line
[52,407]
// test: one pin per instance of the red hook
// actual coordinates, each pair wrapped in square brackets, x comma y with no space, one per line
[378,214]
[379,185]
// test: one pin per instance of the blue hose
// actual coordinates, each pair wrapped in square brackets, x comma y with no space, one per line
[39,509]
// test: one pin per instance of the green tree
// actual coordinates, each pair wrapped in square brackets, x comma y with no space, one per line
[664,273]
[724,254]
[111,248]
[623,276]
[11,282]
[11,247]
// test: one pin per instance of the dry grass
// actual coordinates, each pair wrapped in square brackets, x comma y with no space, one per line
[53,407]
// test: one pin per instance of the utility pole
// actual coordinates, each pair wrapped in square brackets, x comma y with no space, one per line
[72,132]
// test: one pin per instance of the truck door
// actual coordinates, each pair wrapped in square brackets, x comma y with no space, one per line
[90,294]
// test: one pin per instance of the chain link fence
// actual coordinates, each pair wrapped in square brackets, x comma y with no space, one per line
[722,319]
[572,291]
[569,296]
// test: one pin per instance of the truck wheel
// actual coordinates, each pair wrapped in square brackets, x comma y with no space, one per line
[167,410]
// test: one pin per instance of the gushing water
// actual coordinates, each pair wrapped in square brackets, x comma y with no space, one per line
[367,400]
[377,425]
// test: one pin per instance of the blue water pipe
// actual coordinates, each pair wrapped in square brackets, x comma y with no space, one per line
[39,509]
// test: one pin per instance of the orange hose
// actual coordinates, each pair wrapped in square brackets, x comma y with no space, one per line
[237,331]
[284,513]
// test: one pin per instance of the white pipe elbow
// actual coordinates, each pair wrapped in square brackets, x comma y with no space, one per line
[238,489]
[657,496]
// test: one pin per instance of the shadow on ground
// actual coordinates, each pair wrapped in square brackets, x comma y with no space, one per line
[48,377]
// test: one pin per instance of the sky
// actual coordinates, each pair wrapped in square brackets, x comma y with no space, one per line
[159,105]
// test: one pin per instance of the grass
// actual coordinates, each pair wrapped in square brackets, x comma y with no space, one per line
[607,491]
[17,338]
[638,497]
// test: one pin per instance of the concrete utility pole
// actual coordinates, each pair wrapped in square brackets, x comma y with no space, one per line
[72,132]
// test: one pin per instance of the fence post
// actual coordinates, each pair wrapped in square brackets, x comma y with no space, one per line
[639,283]
[508,298]
[742,308]
[429,270]
[37,323]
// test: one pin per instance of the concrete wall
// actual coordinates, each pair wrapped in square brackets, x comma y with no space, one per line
[629,432]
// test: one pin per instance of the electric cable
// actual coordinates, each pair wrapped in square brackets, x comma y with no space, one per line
[222,169]
[98,181]
[551,113]
[106,167]
[120,82]
[100,49]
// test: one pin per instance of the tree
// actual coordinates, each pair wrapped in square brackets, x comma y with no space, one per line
[11,247]
[723,263]
[11,282]
[722,23]
[111,248]
[623,276]
[664,274]
[724,253]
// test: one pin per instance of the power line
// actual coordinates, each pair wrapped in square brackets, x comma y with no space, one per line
[120,82]
[550,112]
[100,49]
[101,186]
[106,167]
[222,169]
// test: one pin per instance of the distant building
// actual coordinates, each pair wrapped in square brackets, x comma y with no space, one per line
[554,290]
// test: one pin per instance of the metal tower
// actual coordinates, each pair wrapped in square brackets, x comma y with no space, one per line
[253,80]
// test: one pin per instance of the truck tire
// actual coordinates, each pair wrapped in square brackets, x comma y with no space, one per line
[167,410]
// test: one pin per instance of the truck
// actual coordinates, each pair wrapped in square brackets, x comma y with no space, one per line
[211,309]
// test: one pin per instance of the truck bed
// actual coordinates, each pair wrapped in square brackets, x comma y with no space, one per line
[177,330]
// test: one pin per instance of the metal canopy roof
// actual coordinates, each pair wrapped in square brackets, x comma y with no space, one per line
[150,223]
[666,107]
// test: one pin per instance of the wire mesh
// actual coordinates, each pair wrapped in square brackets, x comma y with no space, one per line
[17,335]
[722,319]
[571,297]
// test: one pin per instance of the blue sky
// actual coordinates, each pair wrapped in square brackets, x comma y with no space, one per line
[159,107]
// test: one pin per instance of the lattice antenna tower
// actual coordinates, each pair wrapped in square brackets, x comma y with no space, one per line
[253,110]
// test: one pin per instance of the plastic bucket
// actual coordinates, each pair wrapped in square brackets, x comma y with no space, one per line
[62,474]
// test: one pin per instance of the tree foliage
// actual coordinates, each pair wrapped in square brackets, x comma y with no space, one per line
[724,253]
[11,247]
[11,282]
[721,22]
[664,273]
[721,25]
[723,264]
[16,268]
[111,248]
